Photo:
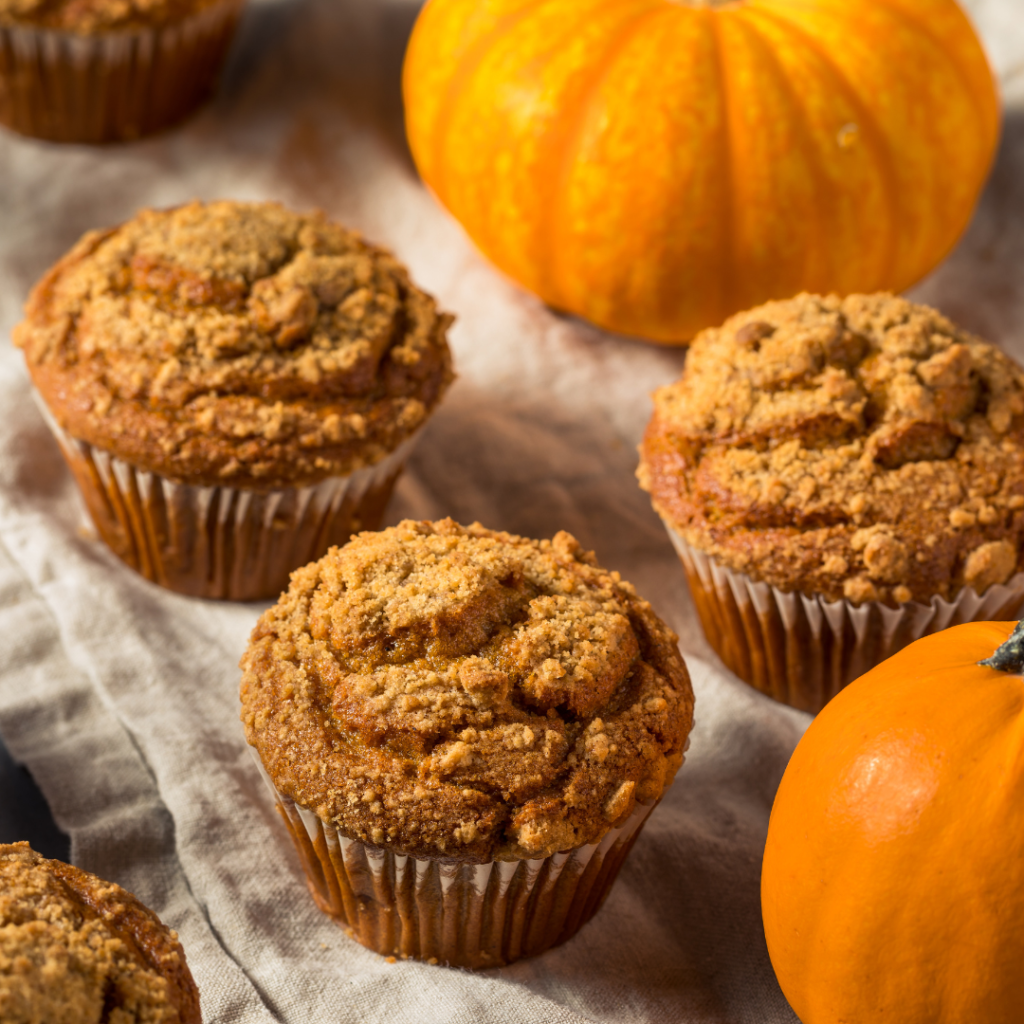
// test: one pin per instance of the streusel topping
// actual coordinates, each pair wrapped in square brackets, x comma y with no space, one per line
[455,692]
[74,949]
[863,447]
[85,17]
[236,343]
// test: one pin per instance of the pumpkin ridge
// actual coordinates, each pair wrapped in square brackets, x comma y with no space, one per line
[907,269]
[871,130]
[921,26]
[728,214]
[572,136]
[804,131]
[966,78]
[467,68]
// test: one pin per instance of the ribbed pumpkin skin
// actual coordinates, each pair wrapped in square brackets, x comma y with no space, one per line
[892,887]
[655,166]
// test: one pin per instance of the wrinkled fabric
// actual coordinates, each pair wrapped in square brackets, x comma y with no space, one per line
[122,699]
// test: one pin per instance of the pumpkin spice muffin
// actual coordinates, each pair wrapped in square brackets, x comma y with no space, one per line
[465,731]
[235,386]
[74,948]
[840,477]
[107,70]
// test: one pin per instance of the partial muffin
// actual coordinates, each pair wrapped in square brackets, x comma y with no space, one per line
[108,70]
[465,731]
[74,949]
[840,477]
[235,386]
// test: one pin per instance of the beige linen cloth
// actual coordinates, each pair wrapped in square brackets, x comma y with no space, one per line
[122,699]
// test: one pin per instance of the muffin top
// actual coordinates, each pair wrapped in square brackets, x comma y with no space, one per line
[75,949]
[462,694]
[863,448]
[85,17]
[235,343]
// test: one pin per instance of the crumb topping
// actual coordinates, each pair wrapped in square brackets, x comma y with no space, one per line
[454,692]
[864,448]
[85,17]
[77,950]
[235,343]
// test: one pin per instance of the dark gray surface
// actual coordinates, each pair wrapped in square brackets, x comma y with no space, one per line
[24,813]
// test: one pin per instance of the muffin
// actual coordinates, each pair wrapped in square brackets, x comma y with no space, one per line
[464,731]
[235,387]
[74,948]
[108,70]
[839,477]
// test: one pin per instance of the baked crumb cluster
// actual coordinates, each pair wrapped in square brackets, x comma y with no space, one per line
[459,693]
[74,949]
[863,448]
[89,16]
[235,343]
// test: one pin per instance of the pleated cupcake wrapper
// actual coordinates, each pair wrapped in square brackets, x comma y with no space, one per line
[223,542]
[801,649]
[115,85]
[464,915]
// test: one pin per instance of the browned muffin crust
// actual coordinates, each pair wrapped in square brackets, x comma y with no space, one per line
[462,694]
[86,17]
[235,343]
[75,950]
[863,448]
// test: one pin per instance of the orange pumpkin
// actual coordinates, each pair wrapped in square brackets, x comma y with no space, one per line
[656,165]
[893,880]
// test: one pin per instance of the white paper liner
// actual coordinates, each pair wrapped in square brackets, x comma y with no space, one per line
[463,915]
[223,542]
[114,85]
[801,649]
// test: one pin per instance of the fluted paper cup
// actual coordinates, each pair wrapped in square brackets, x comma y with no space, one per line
[111,86]
[223,542]
[448,912]
[801,649]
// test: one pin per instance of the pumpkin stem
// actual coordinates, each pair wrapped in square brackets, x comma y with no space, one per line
[1009,655]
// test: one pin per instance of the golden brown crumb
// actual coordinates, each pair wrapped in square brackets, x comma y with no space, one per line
[89,16]
[75,949]
[861,447]
[235,343]
[455,692]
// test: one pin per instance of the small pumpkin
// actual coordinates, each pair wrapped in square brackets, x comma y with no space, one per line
[657,165]
[892,887]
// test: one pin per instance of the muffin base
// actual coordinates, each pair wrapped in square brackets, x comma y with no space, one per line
[462,915]
[801,649]
[223,542]
[111,86]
